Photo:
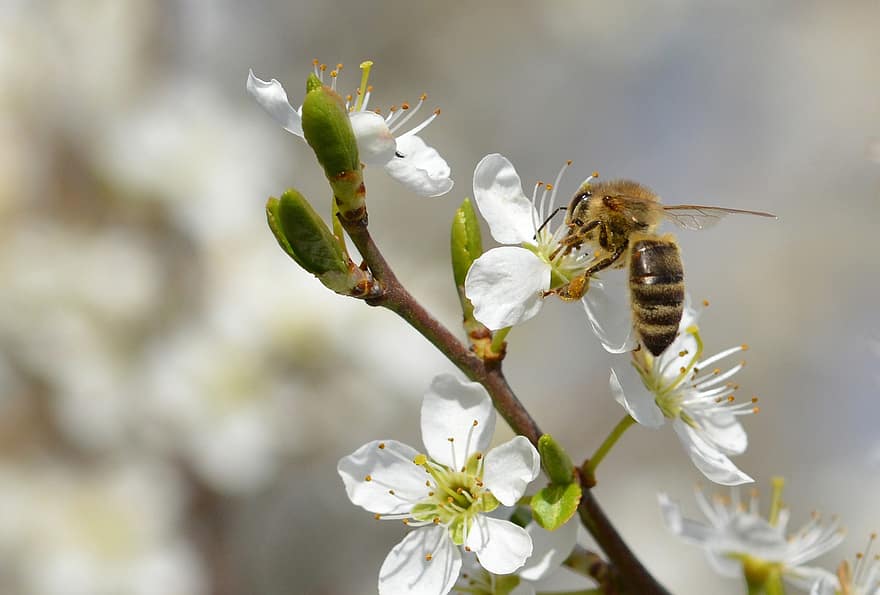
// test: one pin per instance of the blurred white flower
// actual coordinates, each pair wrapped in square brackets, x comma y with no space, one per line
[736,534]
[549,551]
[110,531]
[863,578]
[388,478]
[680,386]
[381,141]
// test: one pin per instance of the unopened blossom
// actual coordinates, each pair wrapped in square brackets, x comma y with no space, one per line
[683,387]
[550,549]
[386,141]
[862,578]
[507,284]
[445,493]
[735,537]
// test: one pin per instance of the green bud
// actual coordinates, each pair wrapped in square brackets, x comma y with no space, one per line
[555,460]
[304,236]
[466,243]
[327,129]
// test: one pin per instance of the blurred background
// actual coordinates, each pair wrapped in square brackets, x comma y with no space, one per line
[175,392]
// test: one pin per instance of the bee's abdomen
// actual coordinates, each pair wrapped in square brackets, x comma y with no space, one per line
[656,285]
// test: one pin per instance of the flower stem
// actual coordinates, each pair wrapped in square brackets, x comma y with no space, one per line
[498,338]
[593,462]
[628,571]
[776,500]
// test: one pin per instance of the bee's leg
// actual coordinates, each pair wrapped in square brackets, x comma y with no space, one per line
[577,287]
[573,241]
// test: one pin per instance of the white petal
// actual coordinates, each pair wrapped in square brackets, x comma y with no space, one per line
[505,286]
[449,410]
[825,585]
[389,468]
[509,468]
[724,431]
[272,97]
[501,546]
[376,144]
[806,577]
[499,196]
[691,531]
[421,169]
[724,565]
[607,306]
[714,464]
[549,549]
[407,570]
[638,401]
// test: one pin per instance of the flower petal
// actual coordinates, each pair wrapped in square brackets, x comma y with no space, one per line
[389,468]
[549,549]
[638,401]
[714,464]
[825,585]
[505,286]
[607,306]
[421,169]
[272,98]
[501,546]
[689,530]
[509,468]
[724,432]
[407,568]
[498,193]
[376,144]
[458,419]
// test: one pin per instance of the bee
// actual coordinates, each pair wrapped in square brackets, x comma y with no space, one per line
[619,220]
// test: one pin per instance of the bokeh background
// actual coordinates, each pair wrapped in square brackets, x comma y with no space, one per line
[175,393]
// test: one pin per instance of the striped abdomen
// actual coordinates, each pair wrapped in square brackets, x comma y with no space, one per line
[656,286]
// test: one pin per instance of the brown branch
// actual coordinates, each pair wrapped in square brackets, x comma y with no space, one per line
[627,570]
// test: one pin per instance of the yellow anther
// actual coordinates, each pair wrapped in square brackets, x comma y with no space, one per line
[428,557]
[682,353]
[569,162]
[476,423]
[451,438]
[391,492]
[368,478]
[744,347]
[423,96]
[549,186]
[323,67]
[381,445]
[705,303]
[404,105]
[377,516]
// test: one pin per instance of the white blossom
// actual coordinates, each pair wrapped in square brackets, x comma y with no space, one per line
[446,493]
[550,549]
[382,141]
[863,578]
[736,533]
[682,387]
[507,284]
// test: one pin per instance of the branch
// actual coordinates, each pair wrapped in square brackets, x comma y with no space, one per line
[627,568]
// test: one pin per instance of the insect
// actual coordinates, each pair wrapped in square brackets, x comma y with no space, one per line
[619,220]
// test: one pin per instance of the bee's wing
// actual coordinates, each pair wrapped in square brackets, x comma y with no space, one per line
[609,312]
[696,217]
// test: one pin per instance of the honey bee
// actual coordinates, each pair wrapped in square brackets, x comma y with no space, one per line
[619,220]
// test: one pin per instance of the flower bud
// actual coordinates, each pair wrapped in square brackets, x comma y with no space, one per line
[304,236]
[467,245]
[555,460]
[327,128]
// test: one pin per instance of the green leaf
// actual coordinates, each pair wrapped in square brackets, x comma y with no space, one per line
[555,460]
[554,505]
[303,234]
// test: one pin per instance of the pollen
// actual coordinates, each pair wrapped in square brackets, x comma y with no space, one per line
[744,347]
[381,445]
[549,186]
[682,369]
[467,548]
[569,162]
[595,174]
[705,303]
[682,353]
[754,399]
[406,522]
[391,492]
[404,105]
[476,423]
[437,112]
[428,557]
[368,478]
[377,516]
[756,410]
[451,439]
[436,520]
[428,483]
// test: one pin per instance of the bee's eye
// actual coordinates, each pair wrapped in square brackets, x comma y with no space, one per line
[578,222]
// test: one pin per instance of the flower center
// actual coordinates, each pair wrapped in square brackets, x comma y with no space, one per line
[455,496]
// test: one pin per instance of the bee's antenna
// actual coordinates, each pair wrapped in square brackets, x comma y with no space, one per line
[547,220]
